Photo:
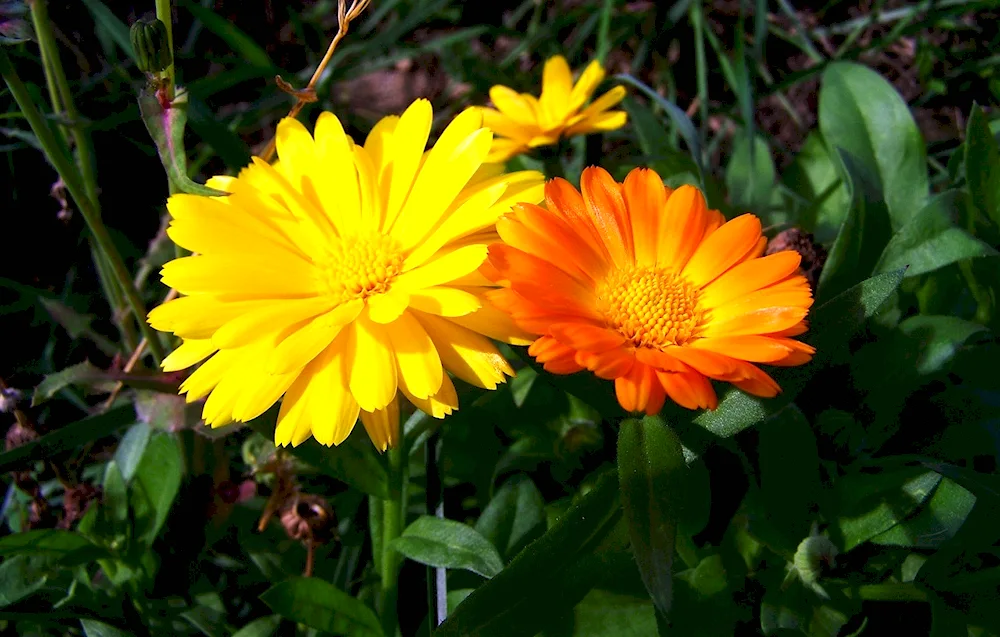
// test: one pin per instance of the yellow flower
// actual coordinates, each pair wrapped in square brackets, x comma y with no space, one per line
[522,122]
[342,274]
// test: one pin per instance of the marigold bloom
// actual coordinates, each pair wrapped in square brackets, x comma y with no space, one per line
[523,121]
[646,286]
[342,274]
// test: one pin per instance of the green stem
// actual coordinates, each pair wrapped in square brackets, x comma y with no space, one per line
[701,66]
[904,592]
[393,519]
[62,102]
[55,152]
[165,15]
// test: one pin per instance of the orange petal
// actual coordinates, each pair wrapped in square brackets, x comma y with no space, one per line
[761,321]
[660,360]
[573,246]
[645,199]
[542,282]
[607,365]
[800,353]
[554,356]
[682,227]
[723,249]
[795,330]
[752,348]
[546,244]
[711,364]
[586,337]
[750,276]
[758,383]
[528,316]
[566,201]
[690,390]
[602,196]
[640,390]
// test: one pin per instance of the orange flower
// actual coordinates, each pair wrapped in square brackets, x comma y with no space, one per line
[646,286]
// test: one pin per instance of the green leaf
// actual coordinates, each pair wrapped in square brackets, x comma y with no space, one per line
[155,485]
[322,606]
[77,325]
[166,128]
[131,449]
[982,165]
[678,116]
[80,374]
[936,522]
[871,504]
[653,479]
[862,113]
[750,174]
[263,627]
[938,339]
[115,27]
[862,237]
[354,461]
[68,437]
[602,613]
[65,547]
[815,175]
[227,145]
[931,240]
[833,324]
[448,544]
[514,517]
[94,628]
[789,472]
[659,153]
[551,574]
[242,44]
[21,576]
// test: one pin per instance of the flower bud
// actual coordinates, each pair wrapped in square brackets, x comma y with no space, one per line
[15,27]
[149,41]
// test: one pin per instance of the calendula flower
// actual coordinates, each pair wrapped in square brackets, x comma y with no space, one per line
[522,121]
[646,286]
[343,274]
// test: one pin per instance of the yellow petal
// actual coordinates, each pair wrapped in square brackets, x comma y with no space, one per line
[198,316]
[296,149]
[446,267]
[445,301]
[557,83]
[491,322]
[305,344]
[466,354]
[293,418]
[441,404]
[261,391]
[586,85]
[611,120]
[191,351]
[273,317]
[205,378]
[386,307]
[334,412]
[475,213]
[245,277]
[305,209]
[338,181]
[416,359]
[409,140]
[382,425]
[513,105]
[372,365]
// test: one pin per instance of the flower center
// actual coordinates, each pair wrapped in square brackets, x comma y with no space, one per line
[358,267]
[649,306]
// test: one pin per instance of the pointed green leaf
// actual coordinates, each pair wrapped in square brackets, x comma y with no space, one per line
[653,478]
[982,165]
[94,628]
[322,606]
[154,486]
[936,522]
[67,437]
[750,174]
[514,517]
[861,113]
[931,240]
[448,544]
[263,627]
[550,575]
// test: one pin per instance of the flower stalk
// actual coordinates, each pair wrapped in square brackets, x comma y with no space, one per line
[164,14]
[393,520]
[58,156]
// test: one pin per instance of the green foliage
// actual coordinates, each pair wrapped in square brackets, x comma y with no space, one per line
[563,516]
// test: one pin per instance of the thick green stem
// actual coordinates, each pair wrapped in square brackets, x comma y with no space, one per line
[55,152]
[62,102]
[165,15]
[393,520]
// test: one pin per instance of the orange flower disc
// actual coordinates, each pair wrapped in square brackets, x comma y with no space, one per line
[646,286]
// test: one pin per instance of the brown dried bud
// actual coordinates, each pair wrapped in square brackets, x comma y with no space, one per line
[9,397]
[309,518]
[76,501]
[40,514]
[20,434]
[813,254]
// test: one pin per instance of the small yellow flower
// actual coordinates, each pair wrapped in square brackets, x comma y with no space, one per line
[522,122]
[342,274]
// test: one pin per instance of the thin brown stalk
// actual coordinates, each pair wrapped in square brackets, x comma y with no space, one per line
[345,15]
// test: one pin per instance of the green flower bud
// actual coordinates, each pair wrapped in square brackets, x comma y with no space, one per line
[149,41]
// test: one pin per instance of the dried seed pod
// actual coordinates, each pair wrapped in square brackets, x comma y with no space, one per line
[813,254]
